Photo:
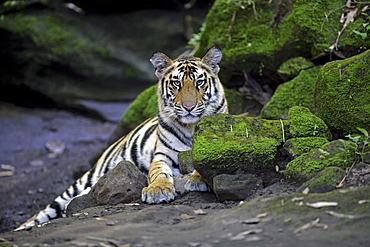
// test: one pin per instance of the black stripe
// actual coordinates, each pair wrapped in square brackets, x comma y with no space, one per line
[68,194]
[166,145]
[107,161]
[55,205]
[214,85]
[222,104]
[173,163]
[75,189]
[173,131]
[147,134]
[89,178]
[133,151]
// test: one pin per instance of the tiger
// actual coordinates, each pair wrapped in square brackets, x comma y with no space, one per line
[188,89]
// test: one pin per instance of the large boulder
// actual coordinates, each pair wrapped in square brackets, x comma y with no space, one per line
[342,94]
[258,36]
[62,52]
[297,92]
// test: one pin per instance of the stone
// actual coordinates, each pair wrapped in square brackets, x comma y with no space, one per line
[235,187]
[303,123]
[226,144]
[342,94]
[297,146]
[339,153]
[123,184]
[291,68]
[324,181]
[297,92]
[186,162]
[258,37]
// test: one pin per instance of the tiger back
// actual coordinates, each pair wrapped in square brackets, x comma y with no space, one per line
[188,89]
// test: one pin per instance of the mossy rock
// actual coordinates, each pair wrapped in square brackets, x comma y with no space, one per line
[186,162]
[297,92]
[342,94]
[291,68]
[224,144]
[301,145]
[303,123]
[324,181]
[58,56]
[338,153]
[259,36]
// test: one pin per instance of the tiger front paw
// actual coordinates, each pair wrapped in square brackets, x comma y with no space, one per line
[158,192]
[196,183]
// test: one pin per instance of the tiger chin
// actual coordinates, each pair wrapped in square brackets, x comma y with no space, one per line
[188,90]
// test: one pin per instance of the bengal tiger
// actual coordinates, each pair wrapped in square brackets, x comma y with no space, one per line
[188,89]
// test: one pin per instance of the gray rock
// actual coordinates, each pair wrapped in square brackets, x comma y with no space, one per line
[236,187]
[123,184]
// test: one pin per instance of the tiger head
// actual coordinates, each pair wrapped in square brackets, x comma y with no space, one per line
[189,87]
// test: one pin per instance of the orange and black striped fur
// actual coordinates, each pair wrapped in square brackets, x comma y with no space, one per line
[188,89]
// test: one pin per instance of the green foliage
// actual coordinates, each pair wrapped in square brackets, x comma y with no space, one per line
[194,41]
[364,29]
[362,141]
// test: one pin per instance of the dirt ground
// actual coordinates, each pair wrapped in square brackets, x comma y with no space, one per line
[193,219]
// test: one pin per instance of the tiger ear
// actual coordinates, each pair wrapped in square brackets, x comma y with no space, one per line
[212,59]
[160,62]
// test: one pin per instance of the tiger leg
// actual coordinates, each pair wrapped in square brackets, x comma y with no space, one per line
[196,182]
[161,184]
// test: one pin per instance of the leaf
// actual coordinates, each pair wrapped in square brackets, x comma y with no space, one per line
[363,35]
[199,212]
[322,204]
[6,174]
[339,215]
[186,216]
[363,131]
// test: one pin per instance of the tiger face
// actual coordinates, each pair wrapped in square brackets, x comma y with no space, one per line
[189,87]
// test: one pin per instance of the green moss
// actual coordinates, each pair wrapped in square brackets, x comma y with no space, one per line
[268,33]
[298,146]
[50,32]
[297,92]
[303,123]
[223,144]
[291,68]
[342,94]
[324,181]
[336,153]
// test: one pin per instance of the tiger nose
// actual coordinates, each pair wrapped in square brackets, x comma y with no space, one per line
[189,107]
